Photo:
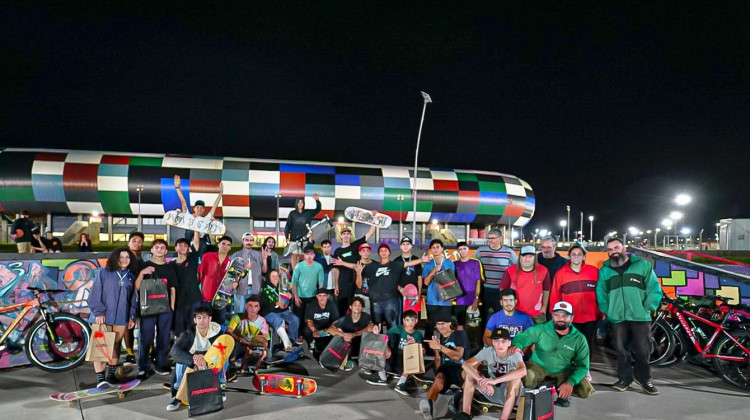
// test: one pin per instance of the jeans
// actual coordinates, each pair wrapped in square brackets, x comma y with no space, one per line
[632,341]
[161,323]
[387,311]
[277,319]
[490,301]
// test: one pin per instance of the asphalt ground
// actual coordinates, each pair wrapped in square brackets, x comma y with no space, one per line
[687,392]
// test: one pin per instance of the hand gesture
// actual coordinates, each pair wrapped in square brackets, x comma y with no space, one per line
[316,197]
[434,344]
[359,267]
[221,188]
[425,258]
[177,181]
[376,329]
[410,340]
[265,253]
[148,270]
[337,261]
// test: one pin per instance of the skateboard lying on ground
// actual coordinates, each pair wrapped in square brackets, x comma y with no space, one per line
[310,229]
[187,221]
[368,217]
[72,397]
[235,273]
[296,386]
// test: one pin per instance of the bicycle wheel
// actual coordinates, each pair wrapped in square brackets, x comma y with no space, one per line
[662,342]
[681,348]
[734,372]
[67,352]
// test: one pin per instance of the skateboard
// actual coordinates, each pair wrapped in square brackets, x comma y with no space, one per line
[235,272]
[412,300]
[295,386]
[310,229]
[187,221]
[484,405]
[72,397]
[221,349]
[356,214]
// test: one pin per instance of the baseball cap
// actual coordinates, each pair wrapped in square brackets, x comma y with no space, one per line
[442,317]
[499,333]
[563,306]
[405,239]
[577,245]
[321,291]
[384,245]
[365,245]
[200,203]
[309,248]
[246,234]
[527,249]
[346,229]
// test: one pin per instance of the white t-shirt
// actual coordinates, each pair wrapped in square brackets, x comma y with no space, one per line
[496,365]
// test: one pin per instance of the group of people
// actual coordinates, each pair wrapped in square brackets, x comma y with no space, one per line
[539,312]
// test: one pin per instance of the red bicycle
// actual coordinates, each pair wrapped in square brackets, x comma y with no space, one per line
[720,334]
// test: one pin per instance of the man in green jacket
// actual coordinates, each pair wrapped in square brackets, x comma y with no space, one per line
[627,291]
[561,353]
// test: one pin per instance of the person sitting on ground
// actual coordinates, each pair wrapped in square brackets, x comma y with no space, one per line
[251,332]
[505,370]
[351,326]
[560,354]
[451,348]
[276,310]
[509,318]
[399,336]
[190,347]
[319,317]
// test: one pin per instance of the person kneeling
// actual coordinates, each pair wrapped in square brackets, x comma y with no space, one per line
[505,371]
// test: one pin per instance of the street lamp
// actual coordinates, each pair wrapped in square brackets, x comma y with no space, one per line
[400,199]
[683,199]
[591,228]
[563,223]
[427,100]
[567,223]
[278,196]
[139,188]
[656,232]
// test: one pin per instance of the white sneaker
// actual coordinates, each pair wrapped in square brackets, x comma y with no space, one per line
[174,405]
[425,408]
[104,384]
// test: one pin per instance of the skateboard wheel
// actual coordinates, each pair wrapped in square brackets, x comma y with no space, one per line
[485,409]
[299,396]
[120,371]
[424,386]
[121,395]
[71,405]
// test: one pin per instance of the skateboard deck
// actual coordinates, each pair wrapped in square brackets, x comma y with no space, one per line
[235,272]
[310,229]
[187,221]
[72,397]
[412,300]
[295,386]
[484,405]
[360,215]
[221,349]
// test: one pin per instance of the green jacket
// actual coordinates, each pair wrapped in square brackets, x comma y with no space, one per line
[557,354]
[630,297]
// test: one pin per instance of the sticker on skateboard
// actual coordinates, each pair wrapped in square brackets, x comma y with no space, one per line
[235,273]
[296,386]
[221,349]
[72,397]
[368,217]
[187,221]
[412,300]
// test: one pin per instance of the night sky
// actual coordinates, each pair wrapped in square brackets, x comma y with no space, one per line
[611,109]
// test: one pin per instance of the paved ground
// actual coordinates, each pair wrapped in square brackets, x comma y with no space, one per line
[687,392]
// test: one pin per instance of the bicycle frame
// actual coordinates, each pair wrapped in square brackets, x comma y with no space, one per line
[27,306]
[682,316]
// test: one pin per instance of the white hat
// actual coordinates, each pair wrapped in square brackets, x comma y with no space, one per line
[563,306]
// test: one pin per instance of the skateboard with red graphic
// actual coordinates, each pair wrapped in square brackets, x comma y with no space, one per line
[295,386]
[412,300]
[221,350]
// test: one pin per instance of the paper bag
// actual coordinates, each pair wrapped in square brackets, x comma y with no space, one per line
[413,359]
[182,393]
[102,345]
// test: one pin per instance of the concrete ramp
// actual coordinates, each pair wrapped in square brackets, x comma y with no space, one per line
[71,233]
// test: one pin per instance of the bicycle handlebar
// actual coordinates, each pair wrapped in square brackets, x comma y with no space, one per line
[37,290]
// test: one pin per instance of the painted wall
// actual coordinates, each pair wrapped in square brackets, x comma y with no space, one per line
[80,182]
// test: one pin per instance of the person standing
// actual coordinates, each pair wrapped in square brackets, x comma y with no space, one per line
[548,257]
[21,232]
[113,304]
[627,291]
[296,226]
[436,307]
[325,259]
[255,263]
[469,275]
[211,272]
[188,291]
[272,260]
[306,279]
[409,275]
[199,209]
[348,252]
[495,259]
[532,284]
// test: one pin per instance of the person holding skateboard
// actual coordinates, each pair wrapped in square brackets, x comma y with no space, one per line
[256,262]
[211,272]
[319,316]
[398,337]
[505,371]
[348,252]
[296,230]
[351,326]
[409,275]
[199,208]
[251,332]
[113,303]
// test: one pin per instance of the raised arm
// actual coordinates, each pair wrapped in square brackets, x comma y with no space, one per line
[179,194]
[217,201]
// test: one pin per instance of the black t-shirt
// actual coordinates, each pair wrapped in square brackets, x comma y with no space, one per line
[383,279]
[321,318]
[455,340]
[187,289]
[163,271]
[409,275]
[55,244]
[25,225]
[347,277]
[365,289]
[347,324]
[621,269]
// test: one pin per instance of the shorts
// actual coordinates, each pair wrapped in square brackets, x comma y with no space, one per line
[452,375]
[498,397]
[297,247]
[24,247]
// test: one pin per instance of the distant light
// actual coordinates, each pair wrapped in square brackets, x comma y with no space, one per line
[434,221]
[683,199]
[685,231]
[591,218]
[563,223]
[657,230]
[676,215]
[543,232]
[95,213]
[667,223]
[341,219]
[648,231]
[514,235]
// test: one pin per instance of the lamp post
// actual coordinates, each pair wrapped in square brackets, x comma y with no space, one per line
[656,232]
[427,100]
[567,223]
[278,196]
[139,188]
[400,199]
[563,224]
[591,228]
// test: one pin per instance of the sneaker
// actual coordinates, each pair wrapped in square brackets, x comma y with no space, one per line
[348,366]
[162,371]
[588,376]
[425,406]
[103,384]
[232,376]
[142,375]
[366,371]
[377,381]
[112,379]
[621,386]
[174,405]
[562,402]
[223,396]
[166,385]
[129,360]
[456,402]
[401,389]
[300,341]
[649,388]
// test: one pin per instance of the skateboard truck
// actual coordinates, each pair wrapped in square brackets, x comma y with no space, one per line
[299,388]
[263,384]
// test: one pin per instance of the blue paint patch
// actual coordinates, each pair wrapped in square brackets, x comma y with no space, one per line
[48,188]
[389,182]
[372,193]
[321,190]
[242,175]
[496,198]
[263,189]
[306,169]
[661,269]
[347,179]
[453,217]
[169,197]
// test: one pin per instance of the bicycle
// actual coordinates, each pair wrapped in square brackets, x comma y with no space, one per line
[57,342]
[723,338]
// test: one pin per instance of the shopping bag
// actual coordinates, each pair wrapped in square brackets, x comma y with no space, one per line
[334,354]
[102,345]
[372,351]
[204,392]
[448,286]
[536,404]
[154,297]
[413,359]
[182,392]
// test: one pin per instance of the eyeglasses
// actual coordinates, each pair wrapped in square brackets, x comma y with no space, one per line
[492,237]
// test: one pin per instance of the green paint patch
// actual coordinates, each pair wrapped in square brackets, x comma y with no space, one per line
[146,161]
[677,279]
